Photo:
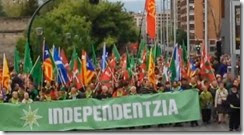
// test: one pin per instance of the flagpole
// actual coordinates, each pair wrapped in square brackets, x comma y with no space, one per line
[34,64]
[167,23]
[206,26]
[174,6]
[188,28]
[161,24]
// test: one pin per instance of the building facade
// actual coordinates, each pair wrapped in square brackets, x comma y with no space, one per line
[197,21]
[161,22]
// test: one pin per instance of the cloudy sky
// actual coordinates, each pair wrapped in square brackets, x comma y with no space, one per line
[135,5]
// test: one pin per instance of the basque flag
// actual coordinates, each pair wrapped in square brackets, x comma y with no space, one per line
[62,73]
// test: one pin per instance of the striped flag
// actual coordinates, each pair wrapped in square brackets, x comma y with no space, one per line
[5,75]
[47,64]
[175,65]
[87,69]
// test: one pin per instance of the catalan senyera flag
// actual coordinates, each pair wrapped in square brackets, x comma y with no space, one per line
[87,69]
[5,75]
[151,18]
[47,64]
[151,69]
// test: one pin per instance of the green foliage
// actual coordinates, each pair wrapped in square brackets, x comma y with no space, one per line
[16,8]
[87,24]
[1,9]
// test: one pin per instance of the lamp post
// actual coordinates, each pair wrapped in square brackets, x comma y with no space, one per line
[39,33]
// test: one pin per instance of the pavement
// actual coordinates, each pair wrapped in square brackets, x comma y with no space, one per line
[212,127]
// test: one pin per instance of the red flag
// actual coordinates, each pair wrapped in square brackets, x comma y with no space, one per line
[66,64]
[76,75]
[123,64]
[206,69]
[151,18]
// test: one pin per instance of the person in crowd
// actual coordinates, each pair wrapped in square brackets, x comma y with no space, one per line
[132,90]
[184,84]
[47,95]
[62,94]
[212,89]
[26,99]
[74,93]
[233,100]
[175,86]
[1,98]
[168,87]
[88,92]
[206,101]
[220,103]
[15,98]
[33,93]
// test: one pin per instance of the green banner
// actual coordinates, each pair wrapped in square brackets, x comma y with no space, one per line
[90,114]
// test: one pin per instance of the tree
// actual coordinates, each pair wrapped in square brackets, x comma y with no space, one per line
[86,24]
[181,36]
[16,8]
[1,9]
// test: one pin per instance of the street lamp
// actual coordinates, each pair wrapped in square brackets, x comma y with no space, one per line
[39,31]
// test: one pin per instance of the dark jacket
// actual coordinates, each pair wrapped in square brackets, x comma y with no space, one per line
[233,99]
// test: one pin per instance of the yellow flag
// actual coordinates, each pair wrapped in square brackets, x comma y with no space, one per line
[5,75]
[151,68]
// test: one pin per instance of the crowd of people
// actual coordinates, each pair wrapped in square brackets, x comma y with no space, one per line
[219,99]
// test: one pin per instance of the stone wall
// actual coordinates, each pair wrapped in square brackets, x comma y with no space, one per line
[11,29]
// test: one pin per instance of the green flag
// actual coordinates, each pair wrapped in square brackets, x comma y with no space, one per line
[140,50]
[27,59]
[116,53]
[16,61]
[37,73]
[94,57]
[75,57]
[184,53]
[156,52]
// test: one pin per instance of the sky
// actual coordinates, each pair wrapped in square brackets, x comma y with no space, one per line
[136,5]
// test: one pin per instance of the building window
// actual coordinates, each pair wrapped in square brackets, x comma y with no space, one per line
[223,8]
[192,27]
[191,1]
[191,17]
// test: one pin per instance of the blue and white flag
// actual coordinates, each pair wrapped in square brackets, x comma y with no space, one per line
[104,58]
[62,72]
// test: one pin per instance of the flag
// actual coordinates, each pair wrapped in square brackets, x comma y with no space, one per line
[5,75]
[175,65]
[47,64]
[16,61]
[66,63]
[206,69]
[156,52]
[75,66]
[151,69]
[1,77]
[37,73]
[191,69]
[151,18]
[104,58]
[123,65]
[184,54]
[87,69]
[94,57]
[61,71]
[141,50]
[116,53]
[27,59]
